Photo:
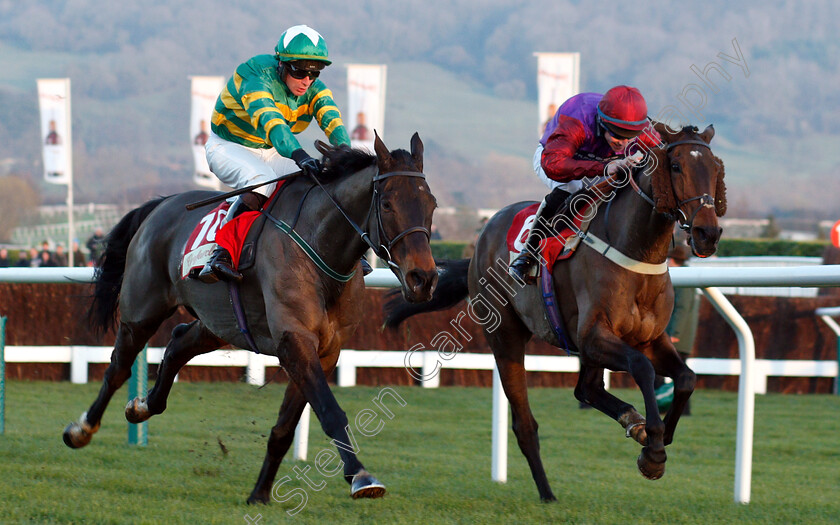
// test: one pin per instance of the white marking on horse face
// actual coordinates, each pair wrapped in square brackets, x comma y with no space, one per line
[696,154]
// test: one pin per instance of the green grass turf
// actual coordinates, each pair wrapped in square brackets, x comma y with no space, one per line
[434,457]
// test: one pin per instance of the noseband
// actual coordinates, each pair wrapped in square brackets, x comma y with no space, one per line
[706,200]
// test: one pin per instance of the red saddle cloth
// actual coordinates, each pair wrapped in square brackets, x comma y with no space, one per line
[551,248]
[207,235]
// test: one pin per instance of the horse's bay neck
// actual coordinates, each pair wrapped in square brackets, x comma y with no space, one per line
[635,228]
[326,229]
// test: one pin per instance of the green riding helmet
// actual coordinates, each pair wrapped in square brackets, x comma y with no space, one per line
[303,45]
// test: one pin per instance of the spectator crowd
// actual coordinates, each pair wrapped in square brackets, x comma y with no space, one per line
[51,254]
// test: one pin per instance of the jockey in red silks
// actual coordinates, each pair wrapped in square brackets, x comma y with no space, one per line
[578,148]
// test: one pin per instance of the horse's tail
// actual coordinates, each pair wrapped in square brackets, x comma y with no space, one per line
[452,288]
[108,277]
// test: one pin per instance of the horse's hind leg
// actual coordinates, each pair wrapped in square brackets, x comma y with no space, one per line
[130,340]
[508,345]
[590,389]
[188,340]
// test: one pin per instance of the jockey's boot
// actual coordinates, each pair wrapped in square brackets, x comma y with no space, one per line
[521,266]
[220,265]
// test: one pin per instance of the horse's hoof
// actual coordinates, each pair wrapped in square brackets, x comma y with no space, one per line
[650,469]
[79,433]
[634,426]
[136,411]
[366,486]
[257,500]
[638,433]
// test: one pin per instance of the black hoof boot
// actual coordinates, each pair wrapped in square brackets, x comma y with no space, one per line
[219,267]
[520,268]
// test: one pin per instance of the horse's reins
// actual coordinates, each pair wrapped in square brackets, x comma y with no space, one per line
[684,221]
[383,251]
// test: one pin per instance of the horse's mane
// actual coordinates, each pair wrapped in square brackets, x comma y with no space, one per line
[342,161]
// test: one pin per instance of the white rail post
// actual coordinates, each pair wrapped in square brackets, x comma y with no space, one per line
[302,436]
[346,374]
[78,365]
[746,393]
[825,314]
[500,436]
[255,369]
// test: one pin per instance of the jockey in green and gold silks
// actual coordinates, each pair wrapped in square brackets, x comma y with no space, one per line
[256,109]
[268,100]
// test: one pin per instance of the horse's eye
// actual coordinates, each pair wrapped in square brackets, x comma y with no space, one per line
[386,206]
[675,167]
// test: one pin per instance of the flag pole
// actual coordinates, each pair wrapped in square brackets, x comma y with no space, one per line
[70,230]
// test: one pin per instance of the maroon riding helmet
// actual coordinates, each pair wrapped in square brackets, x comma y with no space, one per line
[623,111]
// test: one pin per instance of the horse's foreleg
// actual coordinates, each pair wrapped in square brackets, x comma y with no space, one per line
[130,341]
[188,340]
[299,358]
[590,389]
[667,362]
[602,348]
[281,438]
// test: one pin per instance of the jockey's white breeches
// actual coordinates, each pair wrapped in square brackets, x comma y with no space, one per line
[239,166]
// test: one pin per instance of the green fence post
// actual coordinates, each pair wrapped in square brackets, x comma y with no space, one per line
[138,434]
[2,375]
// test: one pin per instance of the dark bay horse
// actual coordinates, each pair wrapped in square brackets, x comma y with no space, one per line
[295,310]
[615,313]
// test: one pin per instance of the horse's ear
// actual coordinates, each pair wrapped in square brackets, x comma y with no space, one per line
[322,147]
[720,189]
[708,133]
[664,131]
[383,154]
[417,150]
[663,190]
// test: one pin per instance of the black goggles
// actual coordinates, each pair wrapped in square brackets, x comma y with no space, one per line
[300,74]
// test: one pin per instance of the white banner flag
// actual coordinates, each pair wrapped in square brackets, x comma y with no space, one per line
[366,103]
[205,91]
[558,79]
[54,101]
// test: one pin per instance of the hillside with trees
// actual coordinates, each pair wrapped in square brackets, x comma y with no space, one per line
[461,72]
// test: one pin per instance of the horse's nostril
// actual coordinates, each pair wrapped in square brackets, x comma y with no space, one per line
[414,279]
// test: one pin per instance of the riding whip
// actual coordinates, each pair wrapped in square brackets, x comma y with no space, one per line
[234,193]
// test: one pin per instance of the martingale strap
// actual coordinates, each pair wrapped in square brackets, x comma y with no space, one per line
[239,313]
[308,250]
[552,313]
[622,260]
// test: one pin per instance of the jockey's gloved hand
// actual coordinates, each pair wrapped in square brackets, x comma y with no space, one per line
[627,163]
[306,163]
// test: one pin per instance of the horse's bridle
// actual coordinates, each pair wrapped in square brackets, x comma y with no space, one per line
[380,244]
[384,250]
[706,200]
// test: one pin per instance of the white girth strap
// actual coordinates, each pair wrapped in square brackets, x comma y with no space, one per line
[622,260]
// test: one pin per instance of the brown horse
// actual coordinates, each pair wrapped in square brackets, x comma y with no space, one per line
[615,313]
[298,311]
